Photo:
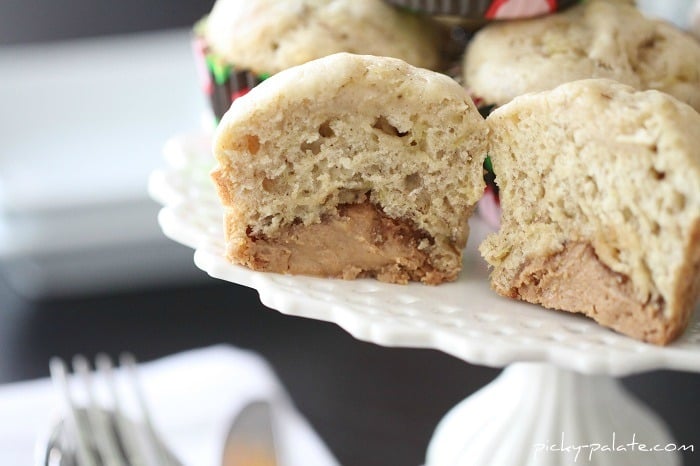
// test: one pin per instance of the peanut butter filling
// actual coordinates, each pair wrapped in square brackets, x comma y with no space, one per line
[361,241]
[575,280]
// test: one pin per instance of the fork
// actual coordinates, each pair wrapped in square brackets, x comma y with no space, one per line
[97,420]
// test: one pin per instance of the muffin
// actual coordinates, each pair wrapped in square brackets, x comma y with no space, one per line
[599,38]
[351,166]
[600,190]
[239,44]
[596,39]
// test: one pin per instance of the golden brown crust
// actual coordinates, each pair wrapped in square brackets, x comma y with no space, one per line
[575,280]
[360,241]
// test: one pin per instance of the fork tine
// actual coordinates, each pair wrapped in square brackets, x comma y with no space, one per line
[104,434]
[100,420]
[153,446]
[125,430]
[141,445]
[75,422]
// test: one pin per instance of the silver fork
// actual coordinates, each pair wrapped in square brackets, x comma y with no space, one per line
[104,431]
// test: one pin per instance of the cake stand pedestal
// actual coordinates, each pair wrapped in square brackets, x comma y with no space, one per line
[558,401]
[537,414]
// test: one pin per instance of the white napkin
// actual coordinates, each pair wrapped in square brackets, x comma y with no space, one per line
[193,396]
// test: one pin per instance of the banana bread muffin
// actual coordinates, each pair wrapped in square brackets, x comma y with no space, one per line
[596,39]
[600,191]
[351,166]
[241,43]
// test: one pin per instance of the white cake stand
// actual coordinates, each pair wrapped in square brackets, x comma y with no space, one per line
[558,402]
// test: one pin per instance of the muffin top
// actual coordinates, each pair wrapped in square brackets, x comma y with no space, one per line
[268,36]
[597,39]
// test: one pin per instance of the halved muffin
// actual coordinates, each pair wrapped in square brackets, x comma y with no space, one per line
[351,166]
[600,191]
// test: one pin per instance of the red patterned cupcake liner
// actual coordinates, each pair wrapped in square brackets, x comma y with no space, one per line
[222,82]
[489,208]
[485,9]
